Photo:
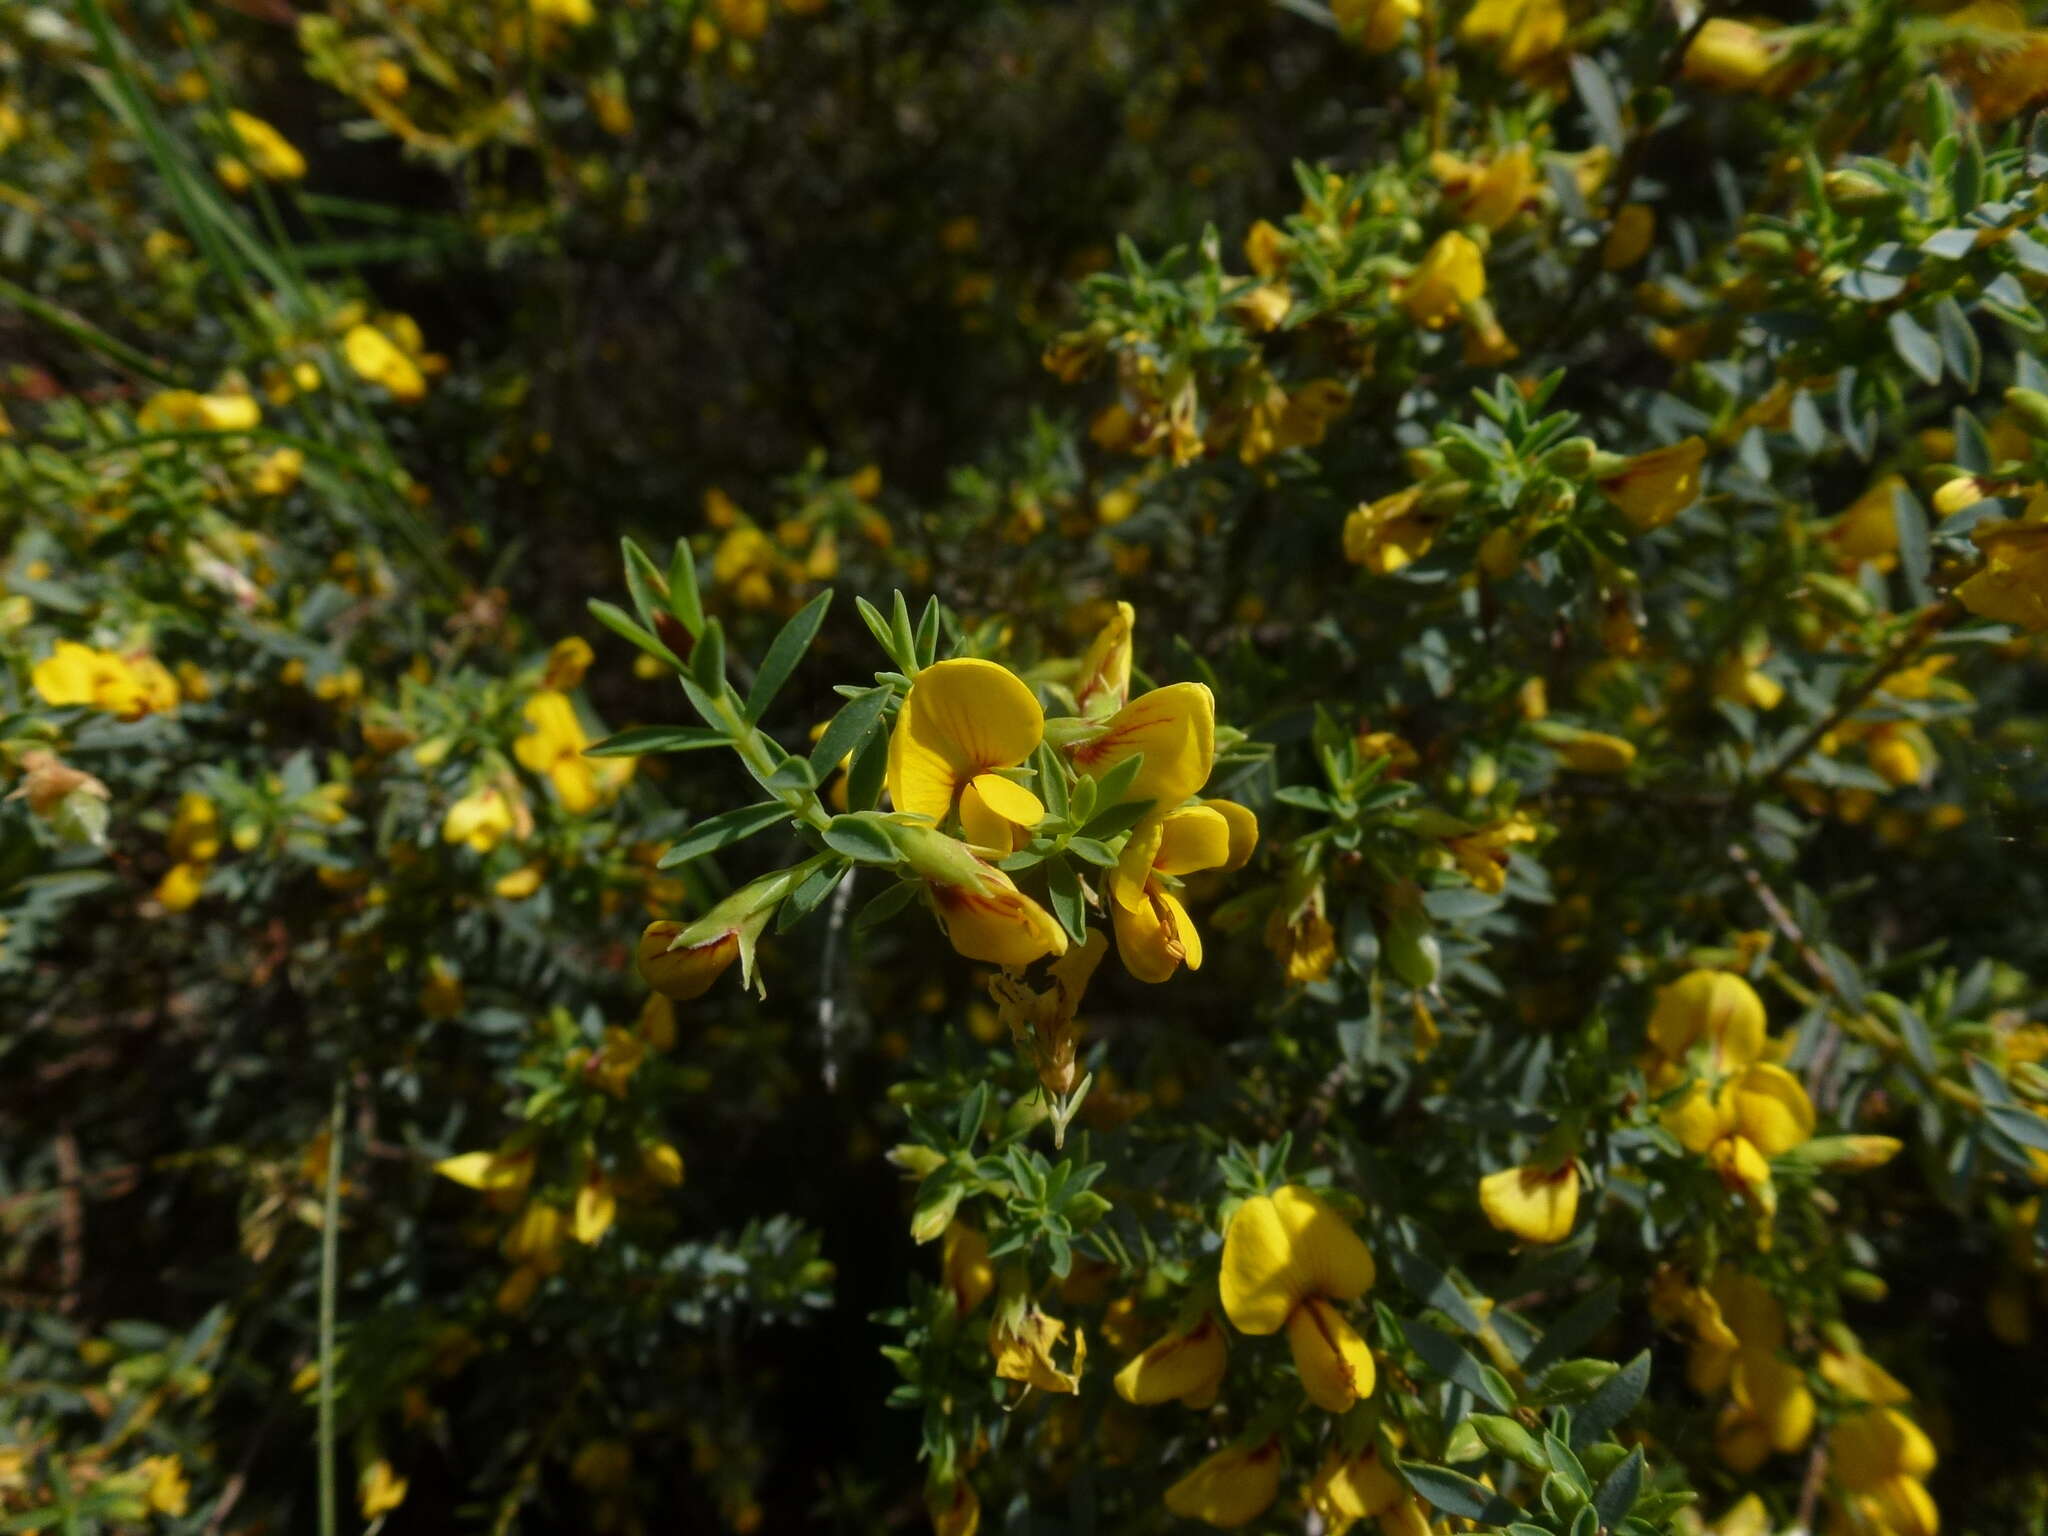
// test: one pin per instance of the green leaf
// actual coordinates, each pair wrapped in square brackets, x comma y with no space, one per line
[2021,1125]
[1613,1402]
[707,665]
[864,778]
[646,740]
[1602,105]
[1959,346]
[723,830]
[805,899]
[849,728]
[684,601]
[620,623]
[1068,904]
[643,581]
[885,904]
[1443,1355]
[1456,1494]
[1916,349]
[1575,1329]
[784,652]
[1115,784]
[860,837]
[1118,818]
[1617,1494]
[1916,554]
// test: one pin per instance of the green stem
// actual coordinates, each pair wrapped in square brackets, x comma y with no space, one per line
[86,334]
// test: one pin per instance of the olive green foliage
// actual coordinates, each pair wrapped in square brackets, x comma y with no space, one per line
[1509,542]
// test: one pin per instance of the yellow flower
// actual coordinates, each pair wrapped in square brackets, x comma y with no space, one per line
[1868,528]
[1536,1204]
[568,660]
[1483,854]
[195,829]
[1731,56]
[612,1068]
[603,1466]
[480,819]
[686,973]
[1524,34]
[269,152]
[987,918]
[1652,488]
[596,1207]
[1877,1444]
[1487,193]
[1375,25]
[1628,242]
[569,13]
[1751,1118]
[2013,585]
[374,356]
[74,674]
[1187,1364]
[1154,934]
[379,1490]
[1286,1256]
[1302,939]
[2003,82]
[1349,1489]
[1385,535]
[1102,684]
[181,887]
[534,1240]
[169,1491]
[1266,249]
[552,746]
[1769,1409]
[1715,1008]
[1025,1353]
[961,721]
[276,473]
[520,883]
[1174,727]
[505,1172]
[954,1508]
[1860,1379]
[663,1164]
[1450,276]
[1243,823]
[441,992]
[964,1267]
[1594,752]
[1231,1488]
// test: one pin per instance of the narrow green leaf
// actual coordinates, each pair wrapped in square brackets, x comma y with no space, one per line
[1617,1494]
[1916,349]
[646,740]
[1456,1494]
[723,830]
[684,600]
[785,651]
[620,623]
[1068,903]
[860,838]
[849,728]
[1617,1396]
[643,581]
[707,663]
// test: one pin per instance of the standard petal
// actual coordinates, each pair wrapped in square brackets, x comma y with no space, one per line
[1333,1258]
[1537,1205]
[1772,1109]
[1231,1488]
[1181,1365]
[1174,727]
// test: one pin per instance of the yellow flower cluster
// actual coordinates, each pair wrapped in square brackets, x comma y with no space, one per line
[128,685]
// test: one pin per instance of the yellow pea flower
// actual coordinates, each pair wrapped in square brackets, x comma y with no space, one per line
[1652,488]
[520,883]
[686,973]
[277,472]
[1025,1352]
[2013,586]
[181,887]
[1524,34]
[1752,1118]
[964,1267]
[1869,1447]
[663,1164]
[270,153]
[1102,684]
[1347,1489]
[552,746]
[169,1491]
[1243,824]
[1593,751]
[1747,1516]
[1717,1009]
[1490,192]
[1450,276]
[1233,1487]
[1174,727]
[989,919]
[441,993]
[535,1239]
[1286,1256]
[954,1508]
[1860,1379]
[481,820]
[1536,1204]
[961,721]
[597,1205]
[1628,241]
[1375,25]
[1187,1364]
[506,1172]
[195,828]
[377,358]
[1385,535]
[1769,1410]
[612,1068]
[1154,934]
[568,660]
[1729,55]
[1267,249]
[379,1489]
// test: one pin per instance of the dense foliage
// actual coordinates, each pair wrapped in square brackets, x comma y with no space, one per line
[848,764]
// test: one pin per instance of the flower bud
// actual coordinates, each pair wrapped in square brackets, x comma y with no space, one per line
[1506,1437]
[934,1212]
[2031,408]
[1572,458]
[1851,1154]
[1856,192]
[687,972]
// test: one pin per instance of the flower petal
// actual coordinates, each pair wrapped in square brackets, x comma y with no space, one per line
[1174,727]
[1192,838]
[961,717]
[1538,1205]
[1011,801]
[1336,1367]
[1282,1248]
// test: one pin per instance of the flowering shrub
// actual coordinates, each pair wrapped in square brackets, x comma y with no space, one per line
[1132,766]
